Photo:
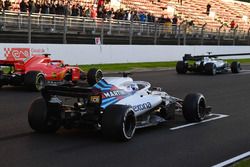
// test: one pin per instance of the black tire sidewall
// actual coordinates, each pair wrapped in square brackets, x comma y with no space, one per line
[181,67]
[191,110]
[31,78]
[92,77]
[113,122]
[38,117]
[210,68]
[235,67]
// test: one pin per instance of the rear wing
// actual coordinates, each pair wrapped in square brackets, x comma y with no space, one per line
[74,92]
[10,62]
[17,65]
[199,57]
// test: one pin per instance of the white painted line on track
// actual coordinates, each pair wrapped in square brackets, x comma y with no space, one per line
[233,160]
[218,116]
[244,73]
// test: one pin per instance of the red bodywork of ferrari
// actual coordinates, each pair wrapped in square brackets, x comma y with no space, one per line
[38,70]
[53,70]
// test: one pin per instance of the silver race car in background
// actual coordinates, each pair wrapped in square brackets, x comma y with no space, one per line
[116,106]
[208,64]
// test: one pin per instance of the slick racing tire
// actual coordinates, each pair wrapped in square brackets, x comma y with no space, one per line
[210,68]
[93,76]
[1,73]
[181,67]
[235,67]
[41,120]
[34,80]
[68,76]
[118,122]
[194,107]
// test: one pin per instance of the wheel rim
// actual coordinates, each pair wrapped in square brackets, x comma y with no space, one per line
[238,67]
[98,75]
[201,109]
[129,125]
[214,70]
[40,82]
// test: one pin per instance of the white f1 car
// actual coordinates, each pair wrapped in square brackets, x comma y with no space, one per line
[115,105]
[209,64]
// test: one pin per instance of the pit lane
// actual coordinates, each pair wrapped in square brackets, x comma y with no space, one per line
[203,144]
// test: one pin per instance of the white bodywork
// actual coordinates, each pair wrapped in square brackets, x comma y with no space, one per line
[141,99]
[218,62]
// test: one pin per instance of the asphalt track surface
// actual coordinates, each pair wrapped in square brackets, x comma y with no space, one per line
[200,145]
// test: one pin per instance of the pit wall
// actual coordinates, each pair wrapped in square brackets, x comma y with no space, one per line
[104,54]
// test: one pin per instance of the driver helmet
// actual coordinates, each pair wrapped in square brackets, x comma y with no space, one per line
[134,86]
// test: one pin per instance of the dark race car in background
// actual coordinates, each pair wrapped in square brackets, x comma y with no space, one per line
[41,70]
[208,64]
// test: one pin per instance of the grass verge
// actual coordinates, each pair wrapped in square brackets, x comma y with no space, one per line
[128,66]
[133,66]
[243,163]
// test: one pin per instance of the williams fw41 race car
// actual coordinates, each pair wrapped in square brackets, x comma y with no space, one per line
[208,64]
[41,70]
[116,106]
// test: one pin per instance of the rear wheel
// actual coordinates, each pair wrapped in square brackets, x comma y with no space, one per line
[82,75]
[235,67]
[194,107]
[181,67]
[93,76]
[68,76]
[1,73]
[210,68]
[119,122]
[41,119]
[34,80]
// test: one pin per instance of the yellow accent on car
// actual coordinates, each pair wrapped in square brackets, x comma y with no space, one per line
[54,74]
[95,99]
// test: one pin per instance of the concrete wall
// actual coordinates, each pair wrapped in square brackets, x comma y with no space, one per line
[101,54]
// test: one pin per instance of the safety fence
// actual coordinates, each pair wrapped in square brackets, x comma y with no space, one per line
[66,25]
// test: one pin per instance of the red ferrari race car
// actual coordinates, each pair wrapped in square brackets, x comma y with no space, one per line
[41,70]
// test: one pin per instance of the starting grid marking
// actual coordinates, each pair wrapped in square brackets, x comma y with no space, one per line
[244,72]
[217,116]
[233,160]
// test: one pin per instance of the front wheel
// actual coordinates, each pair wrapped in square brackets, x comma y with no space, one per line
[93,76]
[194,107]
[41,119]
[119,122]
[235,67]
[210,68]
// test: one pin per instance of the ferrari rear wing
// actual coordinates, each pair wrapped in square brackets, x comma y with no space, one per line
[10,62]
[199,57]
